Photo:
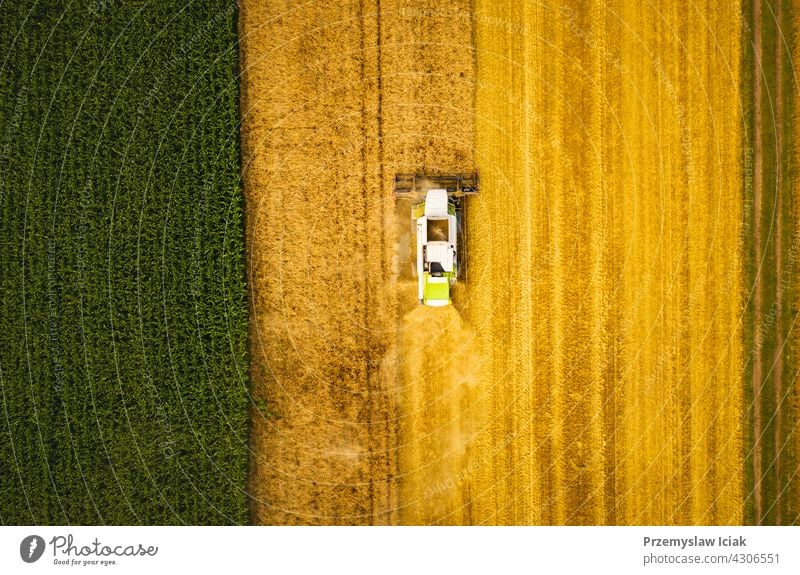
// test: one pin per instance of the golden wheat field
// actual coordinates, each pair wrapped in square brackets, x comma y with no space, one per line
[592,368]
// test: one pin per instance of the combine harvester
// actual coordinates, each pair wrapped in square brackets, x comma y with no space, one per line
[437,219]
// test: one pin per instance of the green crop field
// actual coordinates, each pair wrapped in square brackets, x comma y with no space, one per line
[123,334]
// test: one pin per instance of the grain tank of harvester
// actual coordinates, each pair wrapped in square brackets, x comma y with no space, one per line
[437,219]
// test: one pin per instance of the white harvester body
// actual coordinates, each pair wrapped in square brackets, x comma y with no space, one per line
[437,220]
[437,244]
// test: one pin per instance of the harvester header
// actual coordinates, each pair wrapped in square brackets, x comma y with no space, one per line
[456,185]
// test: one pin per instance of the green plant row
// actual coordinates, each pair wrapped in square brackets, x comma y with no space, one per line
[123,366]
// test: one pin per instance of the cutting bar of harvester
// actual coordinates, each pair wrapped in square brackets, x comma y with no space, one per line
[416,185]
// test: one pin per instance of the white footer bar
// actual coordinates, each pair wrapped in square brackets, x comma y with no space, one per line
[401,550]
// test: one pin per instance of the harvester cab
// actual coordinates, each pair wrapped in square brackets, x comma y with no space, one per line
[437,219]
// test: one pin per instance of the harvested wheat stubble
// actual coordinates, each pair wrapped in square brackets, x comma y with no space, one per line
[320,448]
[336,99]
